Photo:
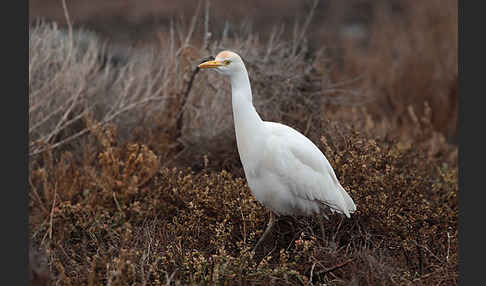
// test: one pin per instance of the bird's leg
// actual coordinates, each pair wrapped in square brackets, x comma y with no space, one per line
[271,222]
[321,224]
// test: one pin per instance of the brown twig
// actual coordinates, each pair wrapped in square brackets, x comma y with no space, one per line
[337,266]
[182,105]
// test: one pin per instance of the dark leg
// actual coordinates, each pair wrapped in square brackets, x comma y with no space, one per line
[270,224]
[321,224]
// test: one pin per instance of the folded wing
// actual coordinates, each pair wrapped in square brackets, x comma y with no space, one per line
[305,169]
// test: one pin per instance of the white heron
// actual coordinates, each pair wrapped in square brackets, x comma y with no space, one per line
[285,171]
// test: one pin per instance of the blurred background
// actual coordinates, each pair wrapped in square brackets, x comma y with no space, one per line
[381,65]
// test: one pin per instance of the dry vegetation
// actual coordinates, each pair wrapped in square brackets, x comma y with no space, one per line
[135,178]
[408,57]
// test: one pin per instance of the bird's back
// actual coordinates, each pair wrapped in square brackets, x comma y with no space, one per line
[292,176]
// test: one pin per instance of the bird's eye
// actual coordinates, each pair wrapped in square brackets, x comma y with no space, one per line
[226,62]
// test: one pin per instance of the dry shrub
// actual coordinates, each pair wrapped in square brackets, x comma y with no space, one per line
[117,218]
[73,75]
[420,132]
[410,199]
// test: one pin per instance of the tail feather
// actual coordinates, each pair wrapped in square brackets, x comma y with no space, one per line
[351,207]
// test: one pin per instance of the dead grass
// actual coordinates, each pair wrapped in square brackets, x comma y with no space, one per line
[70,78]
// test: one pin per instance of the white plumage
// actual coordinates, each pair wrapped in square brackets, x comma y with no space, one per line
[292,176]
[285,171]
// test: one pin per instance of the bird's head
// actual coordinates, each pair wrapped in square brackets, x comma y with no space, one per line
[226,63]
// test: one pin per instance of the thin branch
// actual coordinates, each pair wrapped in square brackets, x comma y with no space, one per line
[70,30]
[207,33]
[335,267]
[192,26]
[182,105]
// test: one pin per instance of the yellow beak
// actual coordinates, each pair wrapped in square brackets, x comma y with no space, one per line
[210,64]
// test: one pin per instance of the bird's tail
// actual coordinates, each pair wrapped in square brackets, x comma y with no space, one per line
[346,206]
[350,206]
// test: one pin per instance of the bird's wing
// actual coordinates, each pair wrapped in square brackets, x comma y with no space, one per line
[304,168]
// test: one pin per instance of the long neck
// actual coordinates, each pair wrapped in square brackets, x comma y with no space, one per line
[248,124]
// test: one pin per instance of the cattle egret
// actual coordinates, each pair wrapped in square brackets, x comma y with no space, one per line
[285,171]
